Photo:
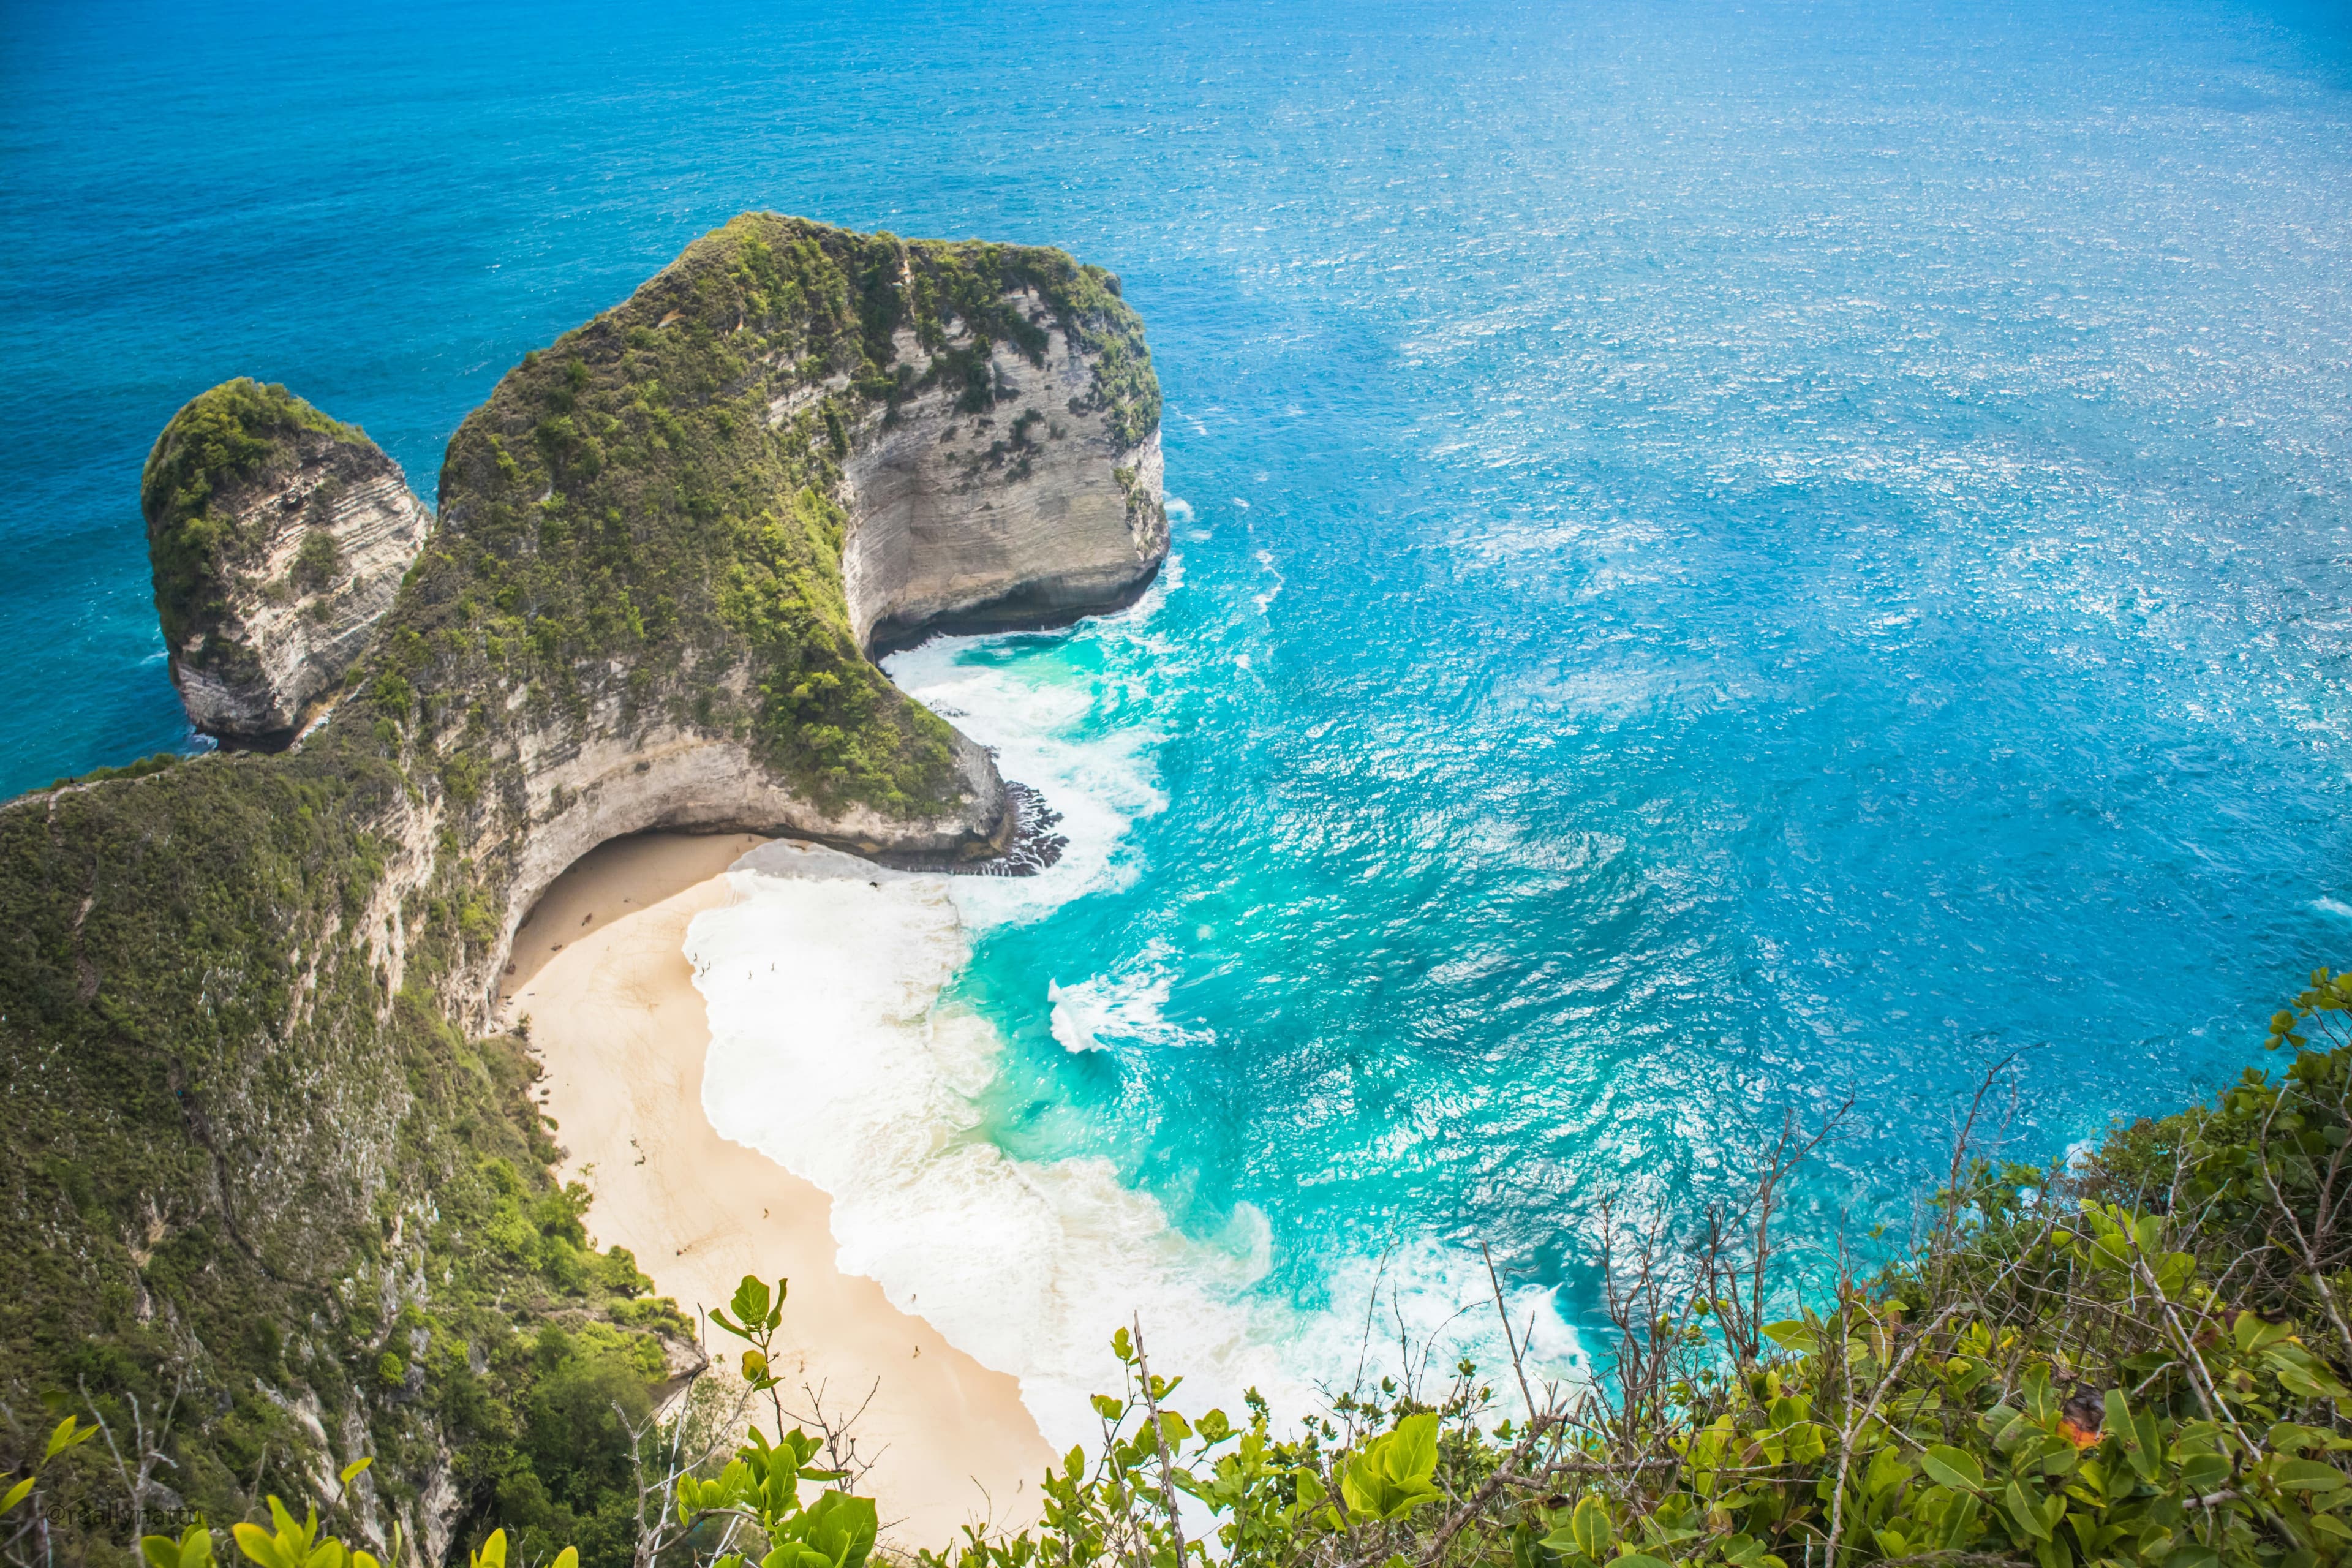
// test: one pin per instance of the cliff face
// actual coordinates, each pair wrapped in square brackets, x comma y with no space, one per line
[241,994]
[1034,501]
[277,538]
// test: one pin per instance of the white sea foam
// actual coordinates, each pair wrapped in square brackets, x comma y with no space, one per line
[1035,715]
[828,1056]
[831,1054]
[1097,1012]
[2335,907]
[1087,1015]
[1265,601]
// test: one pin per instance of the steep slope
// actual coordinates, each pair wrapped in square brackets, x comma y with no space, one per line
[256,1151]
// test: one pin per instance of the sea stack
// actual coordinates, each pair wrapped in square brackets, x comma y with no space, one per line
[278,538]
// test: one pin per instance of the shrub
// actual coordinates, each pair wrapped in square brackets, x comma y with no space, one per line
[317,563]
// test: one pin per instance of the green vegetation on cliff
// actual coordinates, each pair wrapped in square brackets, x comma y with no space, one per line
[350,1231]
[261,1174]
[663,486]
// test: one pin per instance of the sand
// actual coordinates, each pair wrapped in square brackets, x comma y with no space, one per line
[599,971]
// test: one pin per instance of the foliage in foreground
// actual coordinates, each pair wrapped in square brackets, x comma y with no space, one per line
[2138,1360]
[2107,1365]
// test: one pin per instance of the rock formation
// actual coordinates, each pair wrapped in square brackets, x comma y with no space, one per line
[277,538]
[977,512]
[712,499]
[241,997]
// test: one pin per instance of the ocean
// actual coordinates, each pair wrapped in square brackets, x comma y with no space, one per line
[1730,561]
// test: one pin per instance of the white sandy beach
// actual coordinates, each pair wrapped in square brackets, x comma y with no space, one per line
[601,973]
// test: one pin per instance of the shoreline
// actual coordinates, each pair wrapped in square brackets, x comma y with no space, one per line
[623,1039]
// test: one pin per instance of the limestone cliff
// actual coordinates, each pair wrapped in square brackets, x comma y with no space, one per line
[985,504]
[277,538]
[258,1147]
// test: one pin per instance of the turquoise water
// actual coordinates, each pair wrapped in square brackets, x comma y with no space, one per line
[1736,556]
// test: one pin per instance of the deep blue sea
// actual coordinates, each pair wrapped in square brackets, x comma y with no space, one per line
[1733,555]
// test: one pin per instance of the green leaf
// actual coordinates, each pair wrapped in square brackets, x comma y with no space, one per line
[1954,1468]
[1793,1334]
[353,1469]
[1590,1529]
[1806,1441]
[16,1494]
[2204,1471]
[1391,1475]
[493,1553]
[68,1437]
[2028,1516]
[567,1558]
[297,1537]
[2148,1448]
[2307,1476]
[1960,1521]
[260,1546]
[1886,1472]
[1106,1407]
[840,1529]
[2302,1374]
[751,1302]
[1637,1559]
[2252,1335]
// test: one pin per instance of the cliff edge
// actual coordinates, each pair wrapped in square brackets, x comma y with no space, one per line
[263,1156]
